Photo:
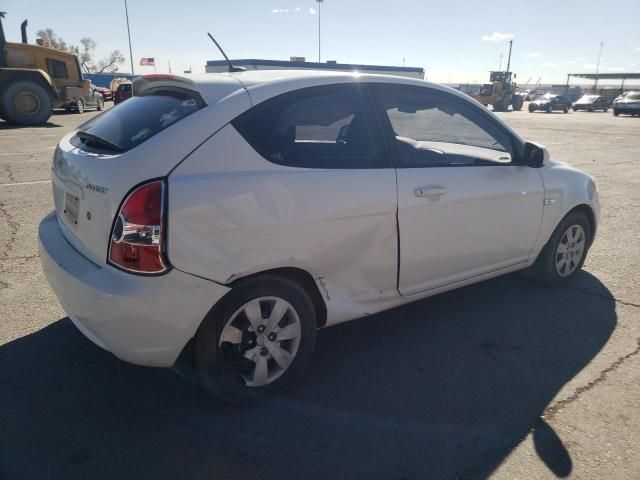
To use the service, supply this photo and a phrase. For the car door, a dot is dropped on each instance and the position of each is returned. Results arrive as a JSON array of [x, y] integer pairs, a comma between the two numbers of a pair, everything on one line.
[[465, 206], [90, 99]]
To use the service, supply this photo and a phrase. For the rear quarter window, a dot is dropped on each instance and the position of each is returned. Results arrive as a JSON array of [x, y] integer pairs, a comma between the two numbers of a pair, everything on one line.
[[135, 121], [316, 127]]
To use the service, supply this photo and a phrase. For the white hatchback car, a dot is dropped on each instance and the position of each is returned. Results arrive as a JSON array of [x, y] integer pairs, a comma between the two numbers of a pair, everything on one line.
[[223, 219]]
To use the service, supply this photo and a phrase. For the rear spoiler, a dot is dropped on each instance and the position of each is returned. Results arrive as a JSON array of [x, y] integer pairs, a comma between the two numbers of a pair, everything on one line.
[[146, 82]]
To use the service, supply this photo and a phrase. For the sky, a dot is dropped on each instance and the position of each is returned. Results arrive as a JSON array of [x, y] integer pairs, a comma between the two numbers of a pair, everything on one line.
[[454, 41]]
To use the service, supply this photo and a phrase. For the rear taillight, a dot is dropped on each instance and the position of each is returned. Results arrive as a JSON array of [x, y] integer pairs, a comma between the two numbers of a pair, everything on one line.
[[137, 235]]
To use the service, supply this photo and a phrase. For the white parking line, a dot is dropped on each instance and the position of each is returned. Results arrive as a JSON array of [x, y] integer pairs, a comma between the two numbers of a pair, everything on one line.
[[23, 136], [17, 184], [27, 153]]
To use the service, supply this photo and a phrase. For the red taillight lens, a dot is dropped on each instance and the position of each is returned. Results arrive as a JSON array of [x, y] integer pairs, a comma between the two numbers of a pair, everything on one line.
[[137, 235]]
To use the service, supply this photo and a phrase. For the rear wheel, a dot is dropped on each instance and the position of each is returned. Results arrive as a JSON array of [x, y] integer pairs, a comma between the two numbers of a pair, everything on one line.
[[565, 109], [79, 106], [531, 108], [549, 108], [575, 109], [26, 103], [100, 104], [501, 106], [565, 252], [257, 341], [615, 112]]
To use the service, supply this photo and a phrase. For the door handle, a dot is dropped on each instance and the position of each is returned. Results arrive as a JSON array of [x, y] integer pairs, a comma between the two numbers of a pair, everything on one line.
[[434, 191]]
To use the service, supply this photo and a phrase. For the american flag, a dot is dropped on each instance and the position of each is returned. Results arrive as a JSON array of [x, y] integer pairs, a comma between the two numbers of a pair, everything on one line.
[[148, 62]]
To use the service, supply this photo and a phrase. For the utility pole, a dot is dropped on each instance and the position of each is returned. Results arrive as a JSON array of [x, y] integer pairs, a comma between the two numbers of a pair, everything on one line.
[[509, 59], [319, 38], [595, 85], [126, 12]]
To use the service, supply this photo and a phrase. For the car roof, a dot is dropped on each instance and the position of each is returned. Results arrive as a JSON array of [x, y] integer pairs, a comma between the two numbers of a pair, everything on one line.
[[263, 84]]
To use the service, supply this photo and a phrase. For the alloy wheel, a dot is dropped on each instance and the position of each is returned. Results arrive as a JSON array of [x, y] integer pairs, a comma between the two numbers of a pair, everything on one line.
[[261, 339], [570, 250]]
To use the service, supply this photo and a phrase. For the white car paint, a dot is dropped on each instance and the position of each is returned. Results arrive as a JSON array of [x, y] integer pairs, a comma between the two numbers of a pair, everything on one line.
[[232, 213]]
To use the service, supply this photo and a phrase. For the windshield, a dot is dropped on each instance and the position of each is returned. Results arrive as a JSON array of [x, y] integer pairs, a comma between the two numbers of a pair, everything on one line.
[[588, 98], [633, 96], [133, 122]]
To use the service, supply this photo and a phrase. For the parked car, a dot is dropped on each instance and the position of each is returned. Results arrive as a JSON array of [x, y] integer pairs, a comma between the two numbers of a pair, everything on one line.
[[591, 103], [550, 102], [122, 93], [620, 97], [106, 93], [630, 105], [220, 221], [92, 100]]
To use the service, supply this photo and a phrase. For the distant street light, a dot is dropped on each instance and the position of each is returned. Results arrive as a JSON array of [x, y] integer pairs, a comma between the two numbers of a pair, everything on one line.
[[319, 2], [126, 12], [595, 85]]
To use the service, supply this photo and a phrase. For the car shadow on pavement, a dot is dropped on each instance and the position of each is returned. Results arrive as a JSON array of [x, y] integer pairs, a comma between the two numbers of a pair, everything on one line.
[[442, 388]]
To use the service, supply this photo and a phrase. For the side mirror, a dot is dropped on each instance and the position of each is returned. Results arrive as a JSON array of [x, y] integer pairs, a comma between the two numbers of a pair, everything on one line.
[[535, 155]]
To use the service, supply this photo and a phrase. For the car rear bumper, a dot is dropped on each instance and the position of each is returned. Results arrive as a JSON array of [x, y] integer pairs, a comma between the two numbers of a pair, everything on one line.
[[142, 320]]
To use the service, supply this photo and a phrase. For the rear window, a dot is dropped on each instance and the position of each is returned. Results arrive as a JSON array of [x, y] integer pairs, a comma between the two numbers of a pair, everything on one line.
[[135, 121]]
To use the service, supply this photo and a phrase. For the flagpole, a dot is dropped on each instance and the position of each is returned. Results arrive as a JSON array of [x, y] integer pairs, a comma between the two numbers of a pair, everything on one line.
[[126, 12]]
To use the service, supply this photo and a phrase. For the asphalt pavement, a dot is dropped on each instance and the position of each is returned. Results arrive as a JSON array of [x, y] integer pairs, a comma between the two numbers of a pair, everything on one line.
[[504, 379]]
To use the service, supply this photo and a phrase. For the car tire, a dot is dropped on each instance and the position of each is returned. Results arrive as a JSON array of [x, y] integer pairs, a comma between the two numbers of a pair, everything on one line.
[[79, 106], [100, 104], [566, 110], [606, 109], [35, 108], [615, 112], [564, 254], [532, 109], [575, 109], [227, 368], [549, 108]]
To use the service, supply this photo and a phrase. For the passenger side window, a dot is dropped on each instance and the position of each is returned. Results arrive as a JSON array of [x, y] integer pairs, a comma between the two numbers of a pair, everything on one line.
[[317, 127], [56, 68], [435, 129]]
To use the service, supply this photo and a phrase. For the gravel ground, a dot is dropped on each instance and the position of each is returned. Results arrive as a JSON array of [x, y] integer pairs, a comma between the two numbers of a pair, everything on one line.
[[504, 379]]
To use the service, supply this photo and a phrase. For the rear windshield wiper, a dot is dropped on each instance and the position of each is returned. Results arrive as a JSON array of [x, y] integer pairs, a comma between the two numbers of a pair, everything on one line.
[[94, 141]]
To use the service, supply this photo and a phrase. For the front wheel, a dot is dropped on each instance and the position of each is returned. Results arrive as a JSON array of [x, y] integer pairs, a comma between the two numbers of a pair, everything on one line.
[[549, 109], [565, 109], [25, 103], [564, 254], [531, 109], [100, 104], [79, 106], [615, 112], [257, 341]]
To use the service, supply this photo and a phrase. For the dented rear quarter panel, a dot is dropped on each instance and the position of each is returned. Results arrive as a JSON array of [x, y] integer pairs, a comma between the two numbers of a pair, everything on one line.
[[233, 213]]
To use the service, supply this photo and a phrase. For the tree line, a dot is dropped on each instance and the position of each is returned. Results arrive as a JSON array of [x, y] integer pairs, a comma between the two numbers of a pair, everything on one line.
[[85, 52]]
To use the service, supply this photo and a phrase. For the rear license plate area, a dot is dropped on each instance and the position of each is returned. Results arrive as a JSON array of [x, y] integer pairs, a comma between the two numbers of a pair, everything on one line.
[[71, 208]]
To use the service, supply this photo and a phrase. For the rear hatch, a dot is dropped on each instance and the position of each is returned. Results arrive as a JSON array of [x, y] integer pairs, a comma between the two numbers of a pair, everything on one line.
[[141, 139]]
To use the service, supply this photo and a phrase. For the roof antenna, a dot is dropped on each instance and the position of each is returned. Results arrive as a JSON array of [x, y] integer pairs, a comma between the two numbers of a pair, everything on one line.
[[232, 68]]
